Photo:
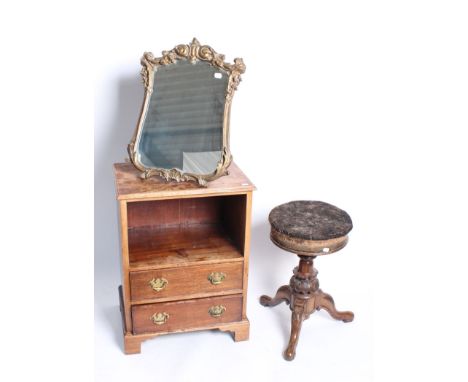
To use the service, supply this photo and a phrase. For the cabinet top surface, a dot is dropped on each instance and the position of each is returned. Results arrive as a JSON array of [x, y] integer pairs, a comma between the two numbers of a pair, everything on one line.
[[130, 186]]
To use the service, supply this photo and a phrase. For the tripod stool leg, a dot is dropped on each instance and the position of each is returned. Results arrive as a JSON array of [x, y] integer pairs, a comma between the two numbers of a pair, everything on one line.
[[283, 294], [298, 315], [325, 301]]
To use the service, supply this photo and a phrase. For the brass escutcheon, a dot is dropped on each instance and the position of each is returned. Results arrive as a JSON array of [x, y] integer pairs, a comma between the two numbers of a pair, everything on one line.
[[216, 277], [160, 318], [217, 310], [158, 284]]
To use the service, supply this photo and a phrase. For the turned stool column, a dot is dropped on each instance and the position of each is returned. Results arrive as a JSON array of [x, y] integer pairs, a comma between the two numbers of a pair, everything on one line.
[[308, 229]]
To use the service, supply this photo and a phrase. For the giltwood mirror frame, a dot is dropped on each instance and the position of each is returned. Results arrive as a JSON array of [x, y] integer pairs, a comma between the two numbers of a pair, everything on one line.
[[191, 52]]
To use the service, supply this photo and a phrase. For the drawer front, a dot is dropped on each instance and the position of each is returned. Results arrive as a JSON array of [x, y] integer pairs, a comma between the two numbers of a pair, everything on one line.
[[179, 315], [183, 281]]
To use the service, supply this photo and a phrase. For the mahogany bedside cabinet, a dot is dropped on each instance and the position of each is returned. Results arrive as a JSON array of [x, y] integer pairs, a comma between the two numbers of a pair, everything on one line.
[[185, 255], [308, 229]]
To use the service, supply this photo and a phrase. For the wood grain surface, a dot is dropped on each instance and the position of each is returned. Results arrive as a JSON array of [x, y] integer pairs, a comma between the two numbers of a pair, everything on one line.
[[186, 314], [130, 186], [184, 282]]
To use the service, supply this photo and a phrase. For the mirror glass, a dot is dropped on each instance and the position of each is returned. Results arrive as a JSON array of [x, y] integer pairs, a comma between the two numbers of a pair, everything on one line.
[[183, 126]]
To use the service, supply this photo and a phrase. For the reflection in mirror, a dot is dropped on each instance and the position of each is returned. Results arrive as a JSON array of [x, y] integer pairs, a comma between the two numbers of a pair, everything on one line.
[[183, 128]]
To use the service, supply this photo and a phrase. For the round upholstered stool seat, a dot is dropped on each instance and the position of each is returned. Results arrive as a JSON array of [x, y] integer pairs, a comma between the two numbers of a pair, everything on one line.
[[309, 228]]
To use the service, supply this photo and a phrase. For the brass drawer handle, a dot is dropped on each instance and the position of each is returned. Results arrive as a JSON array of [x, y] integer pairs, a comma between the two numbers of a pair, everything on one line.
[[217, 310], [160, 318], [158, 284], [216, 277]]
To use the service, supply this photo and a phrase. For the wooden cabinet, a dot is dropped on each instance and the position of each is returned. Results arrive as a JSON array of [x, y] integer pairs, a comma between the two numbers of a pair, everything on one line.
[[185, 255]]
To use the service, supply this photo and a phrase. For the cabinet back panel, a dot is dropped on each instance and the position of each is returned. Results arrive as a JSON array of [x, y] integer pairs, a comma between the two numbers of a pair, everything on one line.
[[174, 212]]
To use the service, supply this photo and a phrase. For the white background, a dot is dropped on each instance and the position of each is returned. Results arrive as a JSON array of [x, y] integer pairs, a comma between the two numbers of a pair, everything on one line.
[[362, 104]]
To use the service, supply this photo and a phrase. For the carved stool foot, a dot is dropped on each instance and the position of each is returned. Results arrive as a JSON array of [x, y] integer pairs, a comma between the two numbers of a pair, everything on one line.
[[325, 301], [283, 294]]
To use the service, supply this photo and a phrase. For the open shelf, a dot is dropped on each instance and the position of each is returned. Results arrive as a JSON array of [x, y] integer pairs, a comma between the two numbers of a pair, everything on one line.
[[181, 232], [176, 246]]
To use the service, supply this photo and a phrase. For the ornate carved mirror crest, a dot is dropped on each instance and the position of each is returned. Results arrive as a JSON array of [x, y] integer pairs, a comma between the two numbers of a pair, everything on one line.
[[183, 128]]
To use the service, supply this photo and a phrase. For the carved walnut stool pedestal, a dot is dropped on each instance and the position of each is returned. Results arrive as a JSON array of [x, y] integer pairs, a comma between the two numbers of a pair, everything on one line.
[[308, 229]]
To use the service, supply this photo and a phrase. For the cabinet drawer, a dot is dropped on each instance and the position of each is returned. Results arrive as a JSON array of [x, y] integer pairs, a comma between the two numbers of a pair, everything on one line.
[[178, 315], [182, 281]]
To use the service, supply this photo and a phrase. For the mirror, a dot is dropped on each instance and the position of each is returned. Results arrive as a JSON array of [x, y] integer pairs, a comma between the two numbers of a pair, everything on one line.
[[183, 129]]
